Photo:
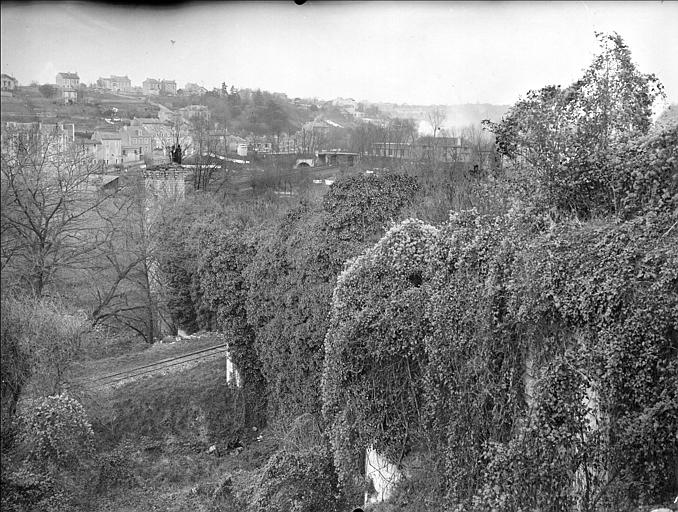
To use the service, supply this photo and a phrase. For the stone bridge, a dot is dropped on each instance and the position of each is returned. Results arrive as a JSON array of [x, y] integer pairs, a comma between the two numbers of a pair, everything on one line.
[[304, 162]]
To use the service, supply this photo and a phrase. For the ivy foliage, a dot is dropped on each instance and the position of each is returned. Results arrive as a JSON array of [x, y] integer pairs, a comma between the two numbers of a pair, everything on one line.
[[545, 367], [224, 256], [615, 288], [288, 281], [55, 431], [374, 354], [646, 171], [54, 449], [298, 481], [291, 276]]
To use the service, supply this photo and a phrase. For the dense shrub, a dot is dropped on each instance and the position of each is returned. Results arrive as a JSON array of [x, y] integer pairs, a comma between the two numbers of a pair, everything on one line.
[[646, 171], [298, 481], [560, 141], [55, 431], [291, 276], [48, 466], [548, 361], [25, 490], [225, 255], [44, 339]]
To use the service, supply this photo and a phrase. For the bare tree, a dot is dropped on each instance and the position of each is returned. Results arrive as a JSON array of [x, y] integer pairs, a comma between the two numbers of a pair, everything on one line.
[[49, 336], [436, 117], [313, 137], [205, 153], [480, 143], [123, 289], [49, 195]]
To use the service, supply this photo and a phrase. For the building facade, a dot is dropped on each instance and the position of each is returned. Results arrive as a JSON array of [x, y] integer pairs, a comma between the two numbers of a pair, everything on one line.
[[168, 87], [37, 137], [67, 80], [151, 86], [115, 83], [154, 87], [192, 88], [9, 83], [68, 84], [191, 112], [110, 150], [438, 149], [135, 144]]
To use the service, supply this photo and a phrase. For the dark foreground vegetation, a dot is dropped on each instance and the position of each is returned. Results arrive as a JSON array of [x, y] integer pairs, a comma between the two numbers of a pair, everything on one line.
[[517, 353]]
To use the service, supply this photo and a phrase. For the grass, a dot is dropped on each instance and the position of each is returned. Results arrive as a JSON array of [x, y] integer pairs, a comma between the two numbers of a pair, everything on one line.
[[124, 354], [153, 438], [193, 408]]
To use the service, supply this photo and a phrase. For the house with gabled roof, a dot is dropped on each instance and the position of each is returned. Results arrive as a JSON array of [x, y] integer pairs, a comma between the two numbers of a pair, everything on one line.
[[110, 150], [9, 83], [115, 83], [67, 80], [68, 84]]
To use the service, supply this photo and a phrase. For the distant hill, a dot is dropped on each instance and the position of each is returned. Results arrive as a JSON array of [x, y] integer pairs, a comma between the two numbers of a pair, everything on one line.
[[457, 115]]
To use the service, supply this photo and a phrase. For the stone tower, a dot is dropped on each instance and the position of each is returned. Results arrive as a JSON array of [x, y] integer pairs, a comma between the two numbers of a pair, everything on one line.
[[165, 182]]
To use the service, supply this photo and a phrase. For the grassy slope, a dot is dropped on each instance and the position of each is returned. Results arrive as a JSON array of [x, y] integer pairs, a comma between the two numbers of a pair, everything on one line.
[[153, 437], [141, 354]]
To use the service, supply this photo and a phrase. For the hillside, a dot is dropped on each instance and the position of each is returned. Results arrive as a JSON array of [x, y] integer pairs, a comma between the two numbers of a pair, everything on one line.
[[28, 104], [457, 115]]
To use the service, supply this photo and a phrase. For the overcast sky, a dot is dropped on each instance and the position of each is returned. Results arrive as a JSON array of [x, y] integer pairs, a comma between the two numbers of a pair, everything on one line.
[[405, 52]]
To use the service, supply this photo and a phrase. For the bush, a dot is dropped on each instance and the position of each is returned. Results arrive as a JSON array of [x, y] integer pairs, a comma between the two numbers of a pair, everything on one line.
[[115, 469], [46, 337], [298, 481], [55, 445], [25, 490], [55, 432], [14, 365]]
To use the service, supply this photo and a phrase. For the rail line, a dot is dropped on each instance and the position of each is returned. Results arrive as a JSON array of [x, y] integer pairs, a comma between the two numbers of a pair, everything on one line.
[[157, 366]]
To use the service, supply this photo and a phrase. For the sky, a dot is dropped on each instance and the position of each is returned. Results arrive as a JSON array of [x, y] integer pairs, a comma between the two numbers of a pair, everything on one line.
[[403, 52]]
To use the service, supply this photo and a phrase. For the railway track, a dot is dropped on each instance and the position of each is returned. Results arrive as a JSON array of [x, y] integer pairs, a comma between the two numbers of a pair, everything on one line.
[[158, 367]]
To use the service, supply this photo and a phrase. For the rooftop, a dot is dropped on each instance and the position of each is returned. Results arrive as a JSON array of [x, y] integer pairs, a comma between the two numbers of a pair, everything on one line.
[[108, 135], [68, 75], [148, 120]]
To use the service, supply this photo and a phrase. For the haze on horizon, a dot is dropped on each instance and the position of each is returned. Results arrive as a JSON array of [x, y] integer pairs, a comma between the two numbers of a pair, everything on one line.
[[416, 53]]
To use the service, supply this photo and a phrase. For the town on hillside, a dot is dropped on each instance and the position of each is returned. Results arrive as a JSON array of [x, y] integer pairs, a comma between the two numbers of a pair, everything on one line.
[[349, 257], [125, 128]]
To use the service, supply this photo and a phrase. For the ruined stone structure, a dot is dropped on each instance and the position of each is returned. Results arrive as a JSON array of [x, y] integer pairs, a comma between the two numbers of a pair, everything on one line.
[[165, 182], [383, 475]]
